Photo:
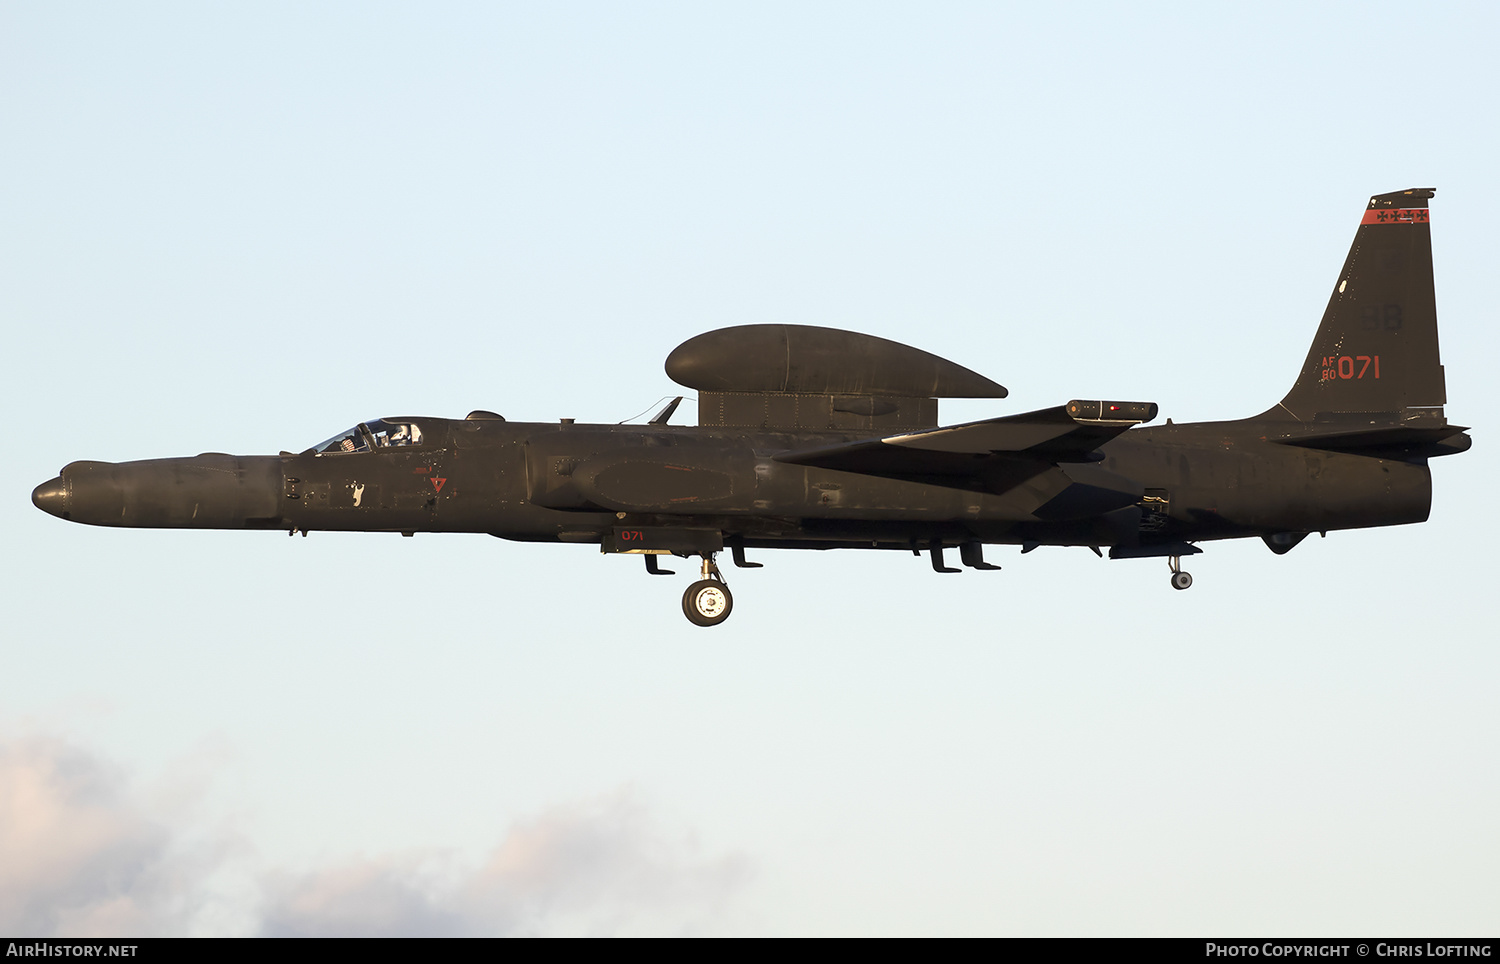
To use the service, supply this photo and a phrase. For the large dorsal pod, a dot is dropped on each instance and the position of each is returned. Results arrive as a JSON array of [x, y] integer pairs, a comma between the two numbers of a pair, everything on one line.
[[800, 376], [823, 361], [1377, 348]]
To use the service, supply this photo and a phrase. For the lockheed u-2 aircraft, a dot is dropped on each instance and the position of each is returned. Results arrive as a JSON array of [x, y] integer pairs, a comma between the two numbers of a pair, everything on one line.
[[814, 438]]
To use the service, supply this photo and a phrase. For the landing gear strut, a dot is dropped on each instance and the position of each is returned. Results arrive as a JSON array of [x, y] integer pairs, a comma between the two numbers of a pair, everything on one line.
[[707, 602], [1180, 579]]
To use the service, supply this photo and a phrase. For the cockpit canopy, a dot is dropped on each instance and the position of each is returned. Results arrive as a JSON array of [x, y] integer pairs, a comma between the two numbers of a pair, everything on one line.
[[377, 433]]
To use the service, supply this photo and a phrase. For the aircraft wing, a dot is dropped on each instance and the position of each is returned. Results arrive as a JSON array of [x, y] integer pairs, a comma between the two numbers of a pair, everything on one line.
[[1067, 433]]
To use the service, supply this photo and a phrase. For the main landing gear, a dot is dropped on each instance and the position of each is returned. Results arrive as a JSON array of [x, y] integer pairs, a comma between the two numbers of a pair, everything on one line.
[[706, 602], [1180, 579]]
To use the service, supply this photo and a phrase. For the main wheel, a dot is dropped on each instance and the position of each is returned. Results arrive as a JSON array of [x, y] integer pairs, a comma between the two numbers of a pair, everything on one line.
[[707, 603], [1181, 580]]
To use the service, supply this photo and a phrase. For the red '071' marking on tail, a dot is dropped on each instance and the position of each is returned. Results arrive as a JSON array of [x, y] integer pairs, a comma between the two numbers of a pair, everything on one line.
[[1345, 367]]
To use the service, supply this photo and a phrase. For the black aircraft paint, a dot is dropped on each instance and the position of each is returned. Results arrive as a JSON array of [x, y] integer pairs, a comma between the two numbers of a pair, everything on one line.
[[813, 438]]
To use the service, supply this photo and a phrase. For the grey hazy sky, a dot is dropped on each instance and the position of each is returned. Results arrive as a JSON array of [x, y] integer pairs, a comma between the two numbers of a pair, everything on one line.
[[243, 227]]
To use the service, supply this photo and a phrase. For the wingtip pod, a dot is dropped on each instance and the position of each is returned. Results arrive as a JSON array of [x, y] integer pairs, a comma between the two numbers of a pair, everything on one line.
[[1099, 411], [1376, 351]]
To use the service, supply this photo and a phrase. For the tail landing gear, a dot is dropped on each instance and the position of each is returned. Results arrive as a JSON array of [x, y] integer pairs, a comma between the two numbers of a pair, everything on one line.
[[1180, 579], [707, 602]]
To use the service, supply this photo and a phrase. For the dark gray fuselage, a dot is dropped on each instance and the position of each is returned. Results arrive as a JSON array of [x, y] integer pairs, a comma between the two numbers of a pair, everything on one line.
[[577, 483]]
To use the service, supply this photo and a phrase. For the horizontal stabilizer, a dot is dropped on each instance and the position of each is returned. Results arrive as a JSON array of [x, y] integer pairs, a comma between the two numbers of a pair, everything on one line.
[[1440, 439], [1067, 433]]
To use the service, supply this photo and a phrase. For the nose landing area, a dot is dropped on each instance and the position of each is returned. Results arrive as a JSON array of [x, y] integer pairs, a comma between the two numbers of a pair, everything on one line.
[[51, 497]]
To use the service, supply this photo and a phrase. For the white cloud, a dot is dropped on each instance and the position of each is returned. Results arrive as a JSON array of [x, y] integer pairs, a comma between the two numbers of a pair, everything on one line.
[[76, 857], [80, 856], [603, 867]]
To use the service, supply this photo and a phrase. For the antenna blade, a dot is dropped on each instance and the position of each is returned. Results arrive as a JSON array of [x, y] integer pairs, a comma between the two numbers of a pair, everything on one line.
[[666, 412]]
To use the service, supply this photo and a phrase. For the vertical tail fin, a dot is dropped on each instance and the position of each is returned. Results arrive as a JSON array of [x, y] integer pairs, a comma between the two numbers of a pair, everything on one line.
[[1377, 349]]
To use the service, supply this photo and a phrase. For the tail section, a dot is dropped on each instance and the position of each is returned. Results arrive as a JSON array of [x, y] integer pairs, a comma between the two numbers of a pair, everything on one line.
[[1377, 349]]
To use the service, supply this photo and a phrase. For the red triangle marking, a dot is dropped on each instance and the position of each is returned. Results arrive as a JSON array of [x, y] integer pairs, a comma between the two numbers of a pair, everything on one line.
[[437, 483]]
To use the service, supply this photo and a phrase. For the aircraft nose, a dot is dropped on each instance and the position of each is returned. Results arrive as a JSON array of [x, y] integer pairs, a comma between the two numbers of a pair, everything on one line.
[[51, 497]]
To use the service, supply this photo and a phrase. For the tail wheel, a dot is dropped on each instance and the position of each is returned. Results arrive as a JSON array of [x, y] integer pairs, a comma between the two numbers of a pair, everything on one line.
[[707, 603]]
